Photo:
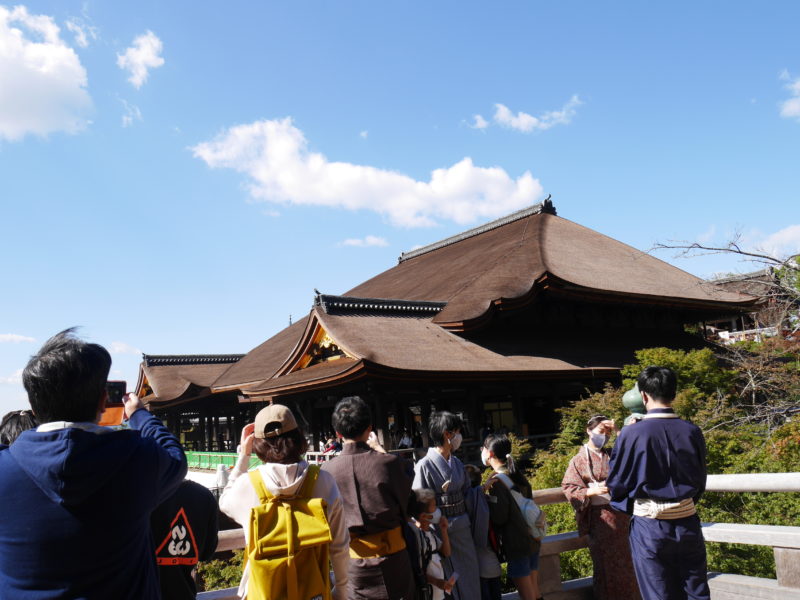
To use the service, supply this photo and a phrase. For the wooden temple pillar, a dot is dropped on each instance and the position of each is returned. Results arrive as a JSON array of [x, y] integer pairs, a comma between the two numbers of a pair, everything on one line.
[[208, 433], [399, 423], [425, 405], [381, 426]]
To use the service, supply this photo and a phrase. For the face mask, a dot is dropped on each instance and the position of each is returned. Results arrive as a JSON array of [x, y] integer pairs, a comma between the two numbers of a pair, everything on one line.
[[455, 441], [435, 516], [598, 439], [485, 458]]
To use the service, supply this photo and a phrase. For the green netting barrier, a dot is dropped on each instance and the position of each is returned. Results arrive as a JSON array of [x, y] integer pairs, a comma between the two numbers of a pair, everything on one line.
[[210, 460]]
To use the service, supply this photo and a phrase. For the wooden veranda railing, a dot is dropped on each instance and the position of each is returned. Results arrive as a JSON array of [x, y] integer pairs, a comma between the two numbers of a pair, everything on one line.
[[785, 542]]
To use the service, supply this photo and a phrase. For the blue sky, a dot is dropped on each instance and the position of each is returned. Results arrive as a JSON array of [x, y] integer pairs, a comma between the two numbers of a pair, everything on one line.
[[177, 177]]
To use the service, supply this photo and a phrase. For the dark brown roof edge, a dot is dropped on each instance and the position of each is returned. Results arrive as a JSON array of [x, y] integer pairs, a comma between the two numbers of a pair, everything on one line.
[[367, 368], [546, 206], [353, 372], [169, 360], [348, 304]]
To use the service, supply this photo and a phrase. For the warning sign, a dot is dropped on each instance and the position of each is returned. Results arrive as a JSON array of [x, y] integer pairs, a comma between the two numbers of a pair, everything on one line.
[[179, 547]]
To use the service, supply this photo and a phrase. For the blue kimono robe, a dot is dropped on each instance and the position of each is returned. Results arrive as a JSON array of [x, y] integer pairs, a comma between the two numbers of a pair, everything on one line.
[[432, 472], [662, 458]]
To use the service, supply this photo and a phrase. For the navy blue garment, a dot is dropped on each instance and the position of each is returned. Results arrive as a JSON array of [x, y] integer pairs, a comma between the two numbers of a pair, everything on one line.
[[669, 557], [662, 459], [76, 507]]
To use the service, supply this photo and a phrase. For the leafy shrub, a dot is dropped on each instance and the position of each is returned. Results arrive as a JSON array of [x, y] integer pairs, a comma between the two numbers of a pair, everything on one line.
[[220, 574]]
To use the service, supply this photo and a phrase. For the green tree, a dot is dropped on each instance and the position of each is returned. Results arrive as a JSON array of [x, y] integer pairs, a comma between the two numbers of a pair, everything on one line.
[[716, 393]]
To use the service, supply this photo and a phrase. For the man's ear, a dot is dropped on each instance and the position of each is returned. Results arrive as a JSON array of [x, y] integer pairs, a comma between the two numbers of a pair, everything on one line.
[[103, 402]]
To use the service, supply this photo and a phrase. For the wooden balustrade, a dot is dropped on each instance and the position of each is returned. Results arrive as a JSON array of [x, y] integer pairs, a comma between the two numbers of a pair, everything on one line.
[[724, 586]]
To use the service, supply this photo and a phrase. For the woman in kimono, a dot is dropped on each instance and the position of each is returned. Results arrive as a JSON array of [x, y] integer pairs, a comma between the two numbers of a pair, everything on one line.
[[607, 528], [443, 473]]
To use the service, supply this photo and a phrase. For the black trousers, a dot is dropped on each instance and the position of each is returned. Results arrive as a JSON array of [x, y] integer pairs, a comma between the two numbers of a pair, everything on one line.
[[669, 557]]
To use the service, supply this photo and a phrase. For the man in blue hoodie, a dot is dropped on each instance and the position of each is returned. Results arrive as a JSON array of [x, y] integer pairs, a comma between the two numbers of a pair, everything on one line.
[[76, 498]]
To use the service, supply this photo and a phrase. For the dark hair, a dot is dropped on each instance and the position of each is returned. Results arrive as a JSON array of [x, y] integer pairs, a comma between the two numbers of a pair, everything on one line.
[[660, 383], [285, 449], [351, 417], [595, 421], [15, 423], [67, 378], [440, 422], [500, 445]]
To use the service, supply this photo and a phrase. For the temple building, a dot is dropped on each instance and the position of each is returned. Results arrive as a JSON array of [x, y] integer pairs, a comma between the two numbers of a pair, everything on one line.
[[502, 324]]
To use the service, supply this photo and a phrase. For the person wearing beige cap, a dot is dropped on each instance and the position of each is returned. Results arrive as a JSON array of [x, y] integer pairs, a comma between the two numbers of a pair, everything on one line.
[[279, 442]]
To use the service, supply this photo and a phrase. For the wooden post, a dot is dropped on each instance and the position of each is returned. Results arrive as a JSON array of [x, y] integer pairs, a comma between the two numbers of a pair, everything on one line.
[[426, 415], [787, 567], [381, 423], [550, 574]]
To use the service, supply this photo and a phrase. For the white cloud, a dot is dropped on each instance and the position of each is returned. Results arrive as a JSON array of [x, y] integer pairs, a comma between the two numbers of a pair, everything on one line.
[[42, 80], [366, 242], [783, 243], [364, 134], [131, 114], [145, 54], [274, 155], [123, 348], [15, 338], [82, 31], [14, 379], [526, 123], [478, 122], [790, 109]]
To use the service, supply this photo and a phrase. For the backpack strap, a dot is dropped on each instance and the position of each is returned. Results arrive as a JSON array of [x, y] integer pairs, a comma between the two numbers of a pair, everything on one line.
[[506, 481], [312, 473], [264, 495]]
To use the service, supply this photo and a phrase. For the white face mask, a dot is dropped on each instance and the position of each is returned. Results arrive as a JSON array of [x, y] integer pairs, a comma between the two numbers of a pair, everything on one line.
[[485, 457], [455, 441], [435, 516]]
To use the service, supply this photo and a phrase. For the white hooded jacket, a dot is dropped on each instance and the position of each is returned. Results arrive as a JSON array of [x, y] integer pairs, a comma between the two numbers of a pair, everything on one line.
[[239, 497]]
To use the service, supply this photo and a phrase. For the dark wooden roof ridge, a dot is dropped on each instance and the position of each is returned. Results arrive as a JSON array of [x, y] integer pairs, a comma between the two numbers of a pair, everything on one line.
[[765, 272], [330, 303], [546, 206], [164, 360]]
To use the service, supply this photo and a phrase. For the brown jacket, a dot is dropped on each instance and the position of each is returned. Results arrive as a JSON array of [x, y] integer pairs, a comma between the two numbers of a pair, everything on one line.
[[375, 490]]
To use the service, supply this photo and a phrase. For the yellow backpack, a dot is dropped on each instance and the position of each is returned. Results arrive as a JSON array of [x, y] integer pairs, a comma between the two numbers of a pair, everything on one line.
[[288, 545]]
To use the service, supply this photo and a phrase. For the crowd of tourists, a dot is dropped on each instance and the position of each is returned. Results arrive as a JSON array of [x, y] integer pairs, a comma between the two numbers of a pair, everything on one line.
[[93, 513]]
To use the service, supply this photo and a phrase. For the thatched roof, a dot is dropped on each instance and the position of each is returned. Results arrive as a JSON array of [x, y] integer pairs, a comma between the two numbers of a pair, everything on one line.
[[504, 262], [430, 316]]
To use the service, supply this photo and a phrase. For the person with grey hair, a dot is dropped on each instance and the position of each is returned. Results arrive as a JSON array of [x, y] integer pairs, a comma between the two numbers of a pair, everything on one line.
[[431, 547]]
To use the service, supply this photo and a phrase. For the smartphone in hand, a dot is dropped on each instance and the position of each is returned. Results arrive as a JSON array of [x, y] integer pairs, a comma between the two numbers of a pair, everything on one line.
[[115, 407]]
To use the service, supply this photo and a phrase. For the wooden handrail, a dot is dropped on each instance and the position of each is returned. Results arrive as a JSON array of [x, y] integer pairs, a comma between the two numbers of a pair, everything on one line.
[[784, 540], [744, 482]]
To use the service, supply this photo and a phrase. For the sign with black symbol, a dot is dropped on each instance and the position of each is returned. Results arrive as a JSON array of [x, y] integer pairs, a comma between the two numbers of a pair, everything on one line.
[[179, 547]]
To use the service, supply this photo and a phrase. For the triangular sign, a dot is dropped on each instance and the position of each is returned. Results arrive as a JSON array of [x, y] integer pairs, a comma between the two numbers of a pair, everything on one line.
[[179, 547]]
